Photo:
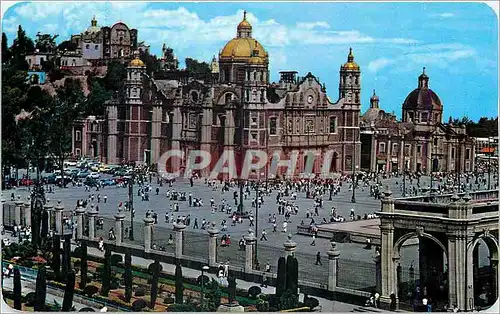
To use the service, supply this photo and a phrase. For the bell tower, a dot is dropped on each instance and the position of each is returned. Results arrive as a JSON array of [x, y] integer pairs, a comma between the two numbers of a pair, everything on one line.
[[350, 81]]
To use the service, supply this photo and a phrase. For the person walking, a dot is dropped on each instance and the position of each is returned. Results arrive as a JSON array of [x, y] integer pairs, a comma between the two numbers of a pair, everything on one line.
[[251, 220], [313, 243], [195, 225], [263, 237], [318, 259]]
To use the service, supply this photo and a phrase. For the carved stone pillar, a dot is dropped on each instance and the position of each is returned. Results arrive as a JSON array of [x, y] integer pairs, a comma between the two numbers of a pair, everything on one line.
[[27, 212], [80, 210], [92, 214], [250, 240], [290, 246], [212, 245], [58, 210], [17, 212], [388, 268], [119, 217], [148, 232], [179, 230], [387, 201], [333, 259]]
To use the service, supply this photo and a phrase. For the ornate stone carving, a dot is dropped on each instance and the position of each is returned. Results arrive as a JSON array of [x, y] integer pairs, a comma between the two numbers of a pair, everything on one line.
[[486, 232], [420, 231]]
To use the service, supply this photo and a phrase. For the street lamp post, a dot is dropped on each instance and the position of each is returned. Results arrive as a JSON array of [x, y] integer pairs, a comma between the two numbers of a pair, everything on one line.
[[256, 218], [203, 269], [489, 161], [353, 198], [131, 205]]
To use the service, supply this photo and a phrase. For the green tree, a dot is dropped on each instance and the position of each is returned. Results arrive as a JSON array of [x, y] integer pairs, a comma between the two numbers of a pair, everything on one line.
[[67, 45], [40, 290], [128, 275], [56, 256], [288, 300], [5, 50], [156, 269], [106, 272], [281, 280], [68, 105], [22, 46], [179, 285], [151, 61], [116, 74], [213, 295], [69, 292], [45, 42], [97, 98], [83, 265], [17, 289], [194, 66]]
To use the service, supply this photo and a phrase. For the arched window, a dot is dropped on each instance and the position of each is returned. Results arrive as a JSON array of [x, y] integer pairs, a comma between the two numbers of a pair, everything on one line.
[[120, 52], [73, 63], [227, 98]]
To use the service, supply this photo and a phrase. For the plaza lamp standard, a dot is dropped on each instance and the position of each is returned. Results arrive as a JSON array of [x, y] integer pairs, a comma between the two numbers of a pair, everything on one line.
[[202, 294], [353, 159], [489, 161]]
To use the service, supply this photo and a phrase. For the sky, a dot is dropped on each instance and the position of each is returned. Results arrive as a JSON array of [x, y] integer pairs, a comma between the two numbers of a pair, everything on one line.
[[392, 42]]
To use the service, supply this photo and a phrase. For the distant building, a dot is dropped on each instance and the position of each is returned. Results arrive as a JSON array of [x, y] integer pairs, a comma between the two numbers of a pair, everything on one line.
[[418, 143], [105, 43], [36, 59], [487, 146]]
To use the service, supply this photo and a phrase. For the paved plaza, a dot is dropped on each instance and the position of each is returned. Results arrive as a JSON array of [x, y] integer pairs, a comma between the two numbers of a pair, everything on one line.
[[356, 265]]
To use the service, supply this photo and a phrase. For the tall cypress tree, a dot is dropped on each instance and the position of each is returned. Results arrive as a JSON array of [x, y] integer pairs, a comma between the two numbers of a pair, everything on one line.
[[281, 280], [69, 292], [128, 275], [45, 225], [83, 264], [56, 255], [179, 286], [40, 290], [17, 289], [5, 50], [106, 272], [154, 283], [66, 254]]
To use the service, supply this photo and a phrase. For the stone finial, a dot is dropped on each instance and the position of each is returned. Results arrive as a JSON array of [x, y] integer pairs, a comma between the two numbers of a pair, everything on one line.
[[289, 236], [454, 197], [250, 232], [213, 224], [387, 192], [333, 244], [47, 200], [467, 197], [18, 197]]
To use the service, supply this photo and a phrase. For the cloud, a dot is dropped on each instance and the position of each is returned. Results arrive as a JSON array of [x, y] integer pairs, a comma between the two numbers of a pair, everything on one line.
[[379, 64], [444, 15], [312, 25]]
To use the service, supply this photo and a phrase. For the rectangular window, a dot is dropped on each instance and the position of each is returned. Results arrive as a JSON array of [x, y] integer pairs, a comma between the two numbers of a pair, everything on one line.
[[453, 152], [410, 116], [297, 126], [467, 153], [78, 136], [272, 126], [78, 152], [407, 149], [290, 126], [333, 124], [419, 150], [309, 127], [381, 148], [424, 116], [395, 148]]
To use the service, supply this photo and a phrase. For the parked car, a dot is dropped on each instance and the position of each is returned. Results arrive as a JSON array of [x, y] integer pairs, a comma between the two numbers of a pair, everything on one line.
[[94, 175], [89, 181], [51, 178], [83, 174], [26, 182], [108, 182]]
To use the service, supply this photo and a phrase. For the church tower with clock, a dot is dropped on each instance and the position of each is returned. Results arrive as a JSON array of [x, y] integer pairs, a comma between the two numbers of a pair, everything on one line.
[[350, 81]]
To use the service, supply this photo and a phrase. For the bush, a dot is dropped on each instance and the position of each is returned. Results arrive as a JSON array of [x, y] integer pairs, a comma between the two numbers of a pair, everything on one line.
[[90, 290], [30, 298], [116, 259], [254, 291], [168, 300], [244, 302], [77, 252], [311, 303], [114, 285], [140, 292], [262, 306], [182, 308], [138, 305], [151, 269]]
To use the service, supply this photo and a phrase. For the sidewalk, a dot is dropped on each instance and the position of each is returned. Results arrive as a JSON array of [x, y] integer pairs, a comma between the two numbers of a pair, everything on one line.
[[326, 305]]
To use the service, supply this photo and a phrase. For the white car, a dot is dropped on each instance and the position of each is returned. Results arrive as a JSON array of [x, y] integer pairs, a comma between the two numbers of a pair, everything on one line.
[[94, 175]]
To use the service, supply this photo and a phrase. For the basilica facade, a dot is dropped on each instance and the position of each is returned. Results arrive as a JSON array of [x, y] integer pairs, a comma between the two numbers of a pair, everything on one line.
[[419, 142], [235, 107]]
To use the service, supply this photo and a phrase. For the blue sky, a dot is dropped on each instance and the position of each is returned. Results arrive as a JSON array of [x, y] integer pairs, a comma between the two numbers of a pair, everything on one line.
[[456, 42]]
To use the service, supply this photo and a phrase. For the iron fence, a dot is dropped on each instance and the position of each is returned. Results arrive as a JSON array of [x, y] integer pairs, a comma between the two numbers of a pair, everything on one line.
[[357, 275], [195, 244], [9, 215]]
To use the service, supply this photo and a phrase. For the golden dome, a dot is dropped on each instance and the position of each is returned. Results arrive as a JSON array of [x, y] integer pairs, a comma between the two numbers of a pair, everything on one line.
[[136, 62], [241, 49], [244, 24], [350, 64], [256, 60]]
